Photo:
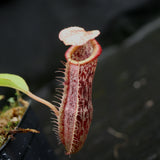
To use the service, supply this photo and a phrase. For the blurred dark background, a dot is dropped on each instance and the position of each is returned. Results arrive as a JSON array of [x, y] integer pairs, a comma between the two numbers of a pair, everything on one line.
[[126, 86]]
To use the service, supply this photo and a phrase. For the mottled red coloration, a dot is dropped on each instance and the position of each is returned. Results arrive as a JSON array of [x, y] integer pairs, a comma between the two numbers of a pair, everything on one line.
[[75, 113]]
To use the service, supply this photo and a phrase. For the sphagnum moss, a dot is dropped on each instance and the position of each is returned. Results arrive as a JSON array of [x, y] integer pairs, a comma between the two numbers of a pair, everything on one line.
[[10, 118]]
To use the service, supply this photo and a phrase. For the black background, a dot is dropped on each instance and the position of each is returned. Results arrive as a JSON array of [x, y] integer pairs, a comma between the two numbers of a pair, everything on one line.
[[130, 32]]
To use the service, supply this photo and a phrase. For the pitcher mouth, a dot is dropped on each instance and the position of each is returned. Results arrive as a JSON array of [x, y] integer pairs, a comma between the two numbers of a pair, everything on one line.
[[86, 53]]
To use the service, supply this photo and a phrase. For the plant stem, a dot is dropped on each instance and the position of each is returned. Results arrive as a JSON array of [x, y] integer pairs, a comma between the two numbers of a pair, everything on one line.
[[51, 106]]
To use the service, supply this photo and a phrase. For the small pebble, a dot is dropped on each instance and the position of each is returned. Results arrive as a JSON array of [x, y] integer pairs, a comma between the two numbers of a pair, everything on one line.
[[136, 84], [140, 83], [149, 103], [14, 119]]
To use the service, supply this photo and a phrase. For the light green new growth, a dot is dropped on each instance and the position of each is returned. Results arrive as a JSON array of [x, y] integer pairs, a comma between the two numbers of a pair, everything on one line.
[[18, 83], [13, 81]]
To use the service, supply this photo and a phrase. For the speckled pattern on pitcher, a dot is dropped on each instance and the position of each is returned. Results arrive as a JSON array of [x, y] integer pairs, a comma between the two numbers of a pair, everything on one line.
[[75, 112]]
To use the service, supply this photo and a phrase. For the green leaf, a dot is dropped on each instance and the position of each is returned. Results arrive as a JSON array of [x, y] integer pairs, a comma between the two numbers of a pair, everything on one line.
[[13, 81]]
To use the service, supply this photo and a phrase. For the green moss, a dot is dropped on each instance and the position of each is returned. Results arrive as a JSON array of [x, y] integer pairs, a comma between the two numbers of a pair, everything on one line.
[[10, 117], [2, 140]]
